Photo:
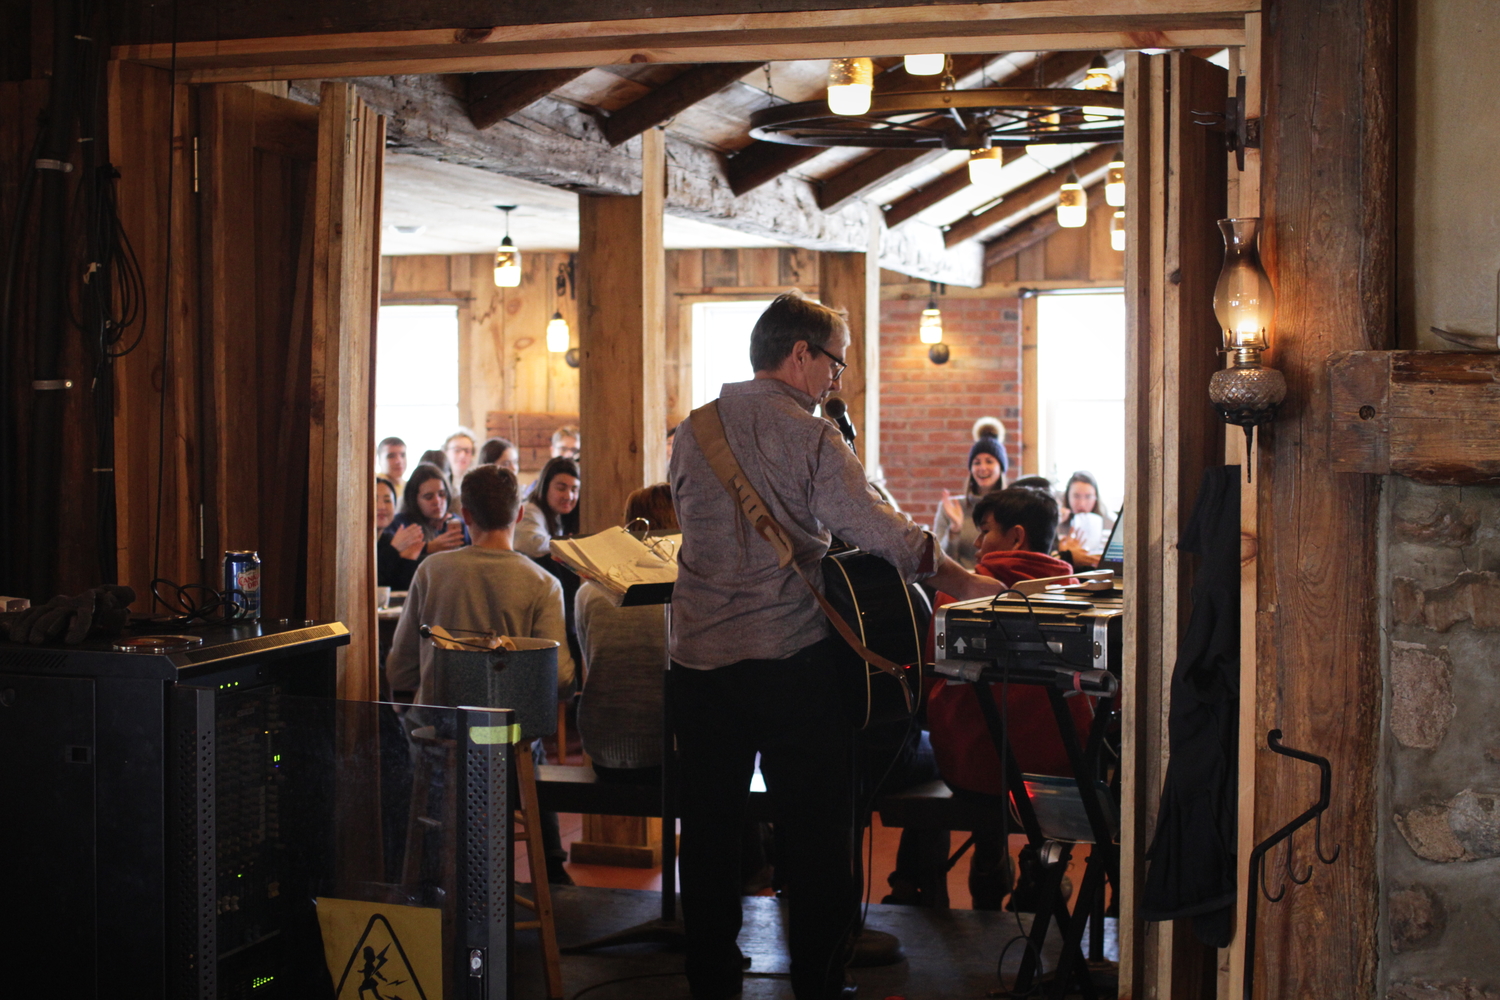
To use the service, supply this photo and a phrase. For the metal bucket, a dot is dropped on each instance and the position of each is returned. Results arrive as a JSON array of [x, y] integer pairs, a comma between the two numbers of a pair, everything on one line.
[[523, 680]]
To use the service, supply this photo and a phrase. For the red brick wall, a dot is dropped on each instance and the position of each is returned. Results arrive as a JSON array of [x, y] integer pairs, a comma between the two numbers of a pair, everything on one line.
[[927, 411]]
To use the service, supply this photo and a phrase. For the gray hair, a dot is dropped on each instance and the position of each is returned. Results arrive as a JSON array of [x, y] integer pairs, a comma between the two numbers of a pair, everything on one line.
[[790, 318]]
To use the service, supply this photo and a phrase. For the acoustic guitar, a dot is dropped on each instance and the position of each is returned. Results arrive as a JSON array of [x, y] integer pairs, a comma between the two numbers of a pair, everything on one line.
[[890, 616]]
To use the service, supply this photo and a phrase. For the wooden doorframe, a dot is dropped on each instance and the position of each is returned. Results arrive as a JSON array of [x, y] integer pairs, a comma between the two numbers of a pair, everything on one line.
[[1322, 62]]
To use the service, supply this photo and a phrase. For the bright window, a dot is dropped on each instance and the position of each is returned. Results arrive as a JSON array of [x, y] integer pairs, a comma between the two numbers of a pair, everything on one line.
[[1081, 389], [721, 345], [416, 376]]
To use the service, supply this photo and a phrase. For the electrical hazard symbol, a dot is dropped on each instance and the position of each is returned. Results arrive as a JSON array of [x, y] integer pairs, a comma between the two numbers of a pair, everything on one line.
[[379, 951]]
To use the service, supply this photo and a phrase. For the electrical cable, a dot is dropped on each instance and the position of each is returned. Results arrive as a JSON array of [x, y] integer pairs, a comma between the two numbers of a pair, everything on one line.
[[188, 609]]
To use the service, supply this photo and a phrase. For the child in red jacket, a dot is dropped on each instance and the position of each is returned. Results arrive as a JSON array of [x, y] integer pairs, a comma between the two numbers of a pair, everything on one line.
[[1017, 527]]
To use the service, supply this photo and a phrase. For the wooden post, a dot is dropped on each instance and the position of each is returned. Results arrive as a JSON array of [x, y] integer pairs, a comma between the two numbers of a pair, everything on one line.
[[346, 291], [1327, 193], [851, 281], [622, 340]]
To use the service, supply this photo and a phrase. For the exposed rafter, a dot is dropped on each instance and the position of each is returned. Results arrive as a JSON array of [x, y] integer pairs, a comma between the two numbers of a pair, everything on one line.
[[1089, 167], [1034, 229], [1060, 69], [557, 144], [672, 99], [493, 97]]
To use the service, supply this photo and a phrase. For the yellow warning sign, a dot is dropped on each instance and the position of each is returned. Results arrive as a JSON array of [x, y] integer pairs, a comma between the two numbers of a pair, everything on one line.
[[380, 951]]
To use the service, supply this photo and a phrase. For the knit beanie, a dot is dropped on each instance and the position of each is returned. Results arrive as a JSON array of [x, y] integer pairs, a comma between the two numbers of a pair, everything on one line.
[[987, 445]]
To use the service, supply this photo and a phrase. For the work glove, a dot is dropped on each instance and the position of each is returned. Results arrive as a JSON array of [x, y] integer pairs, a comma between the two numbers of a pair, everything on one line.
[[103, 609]]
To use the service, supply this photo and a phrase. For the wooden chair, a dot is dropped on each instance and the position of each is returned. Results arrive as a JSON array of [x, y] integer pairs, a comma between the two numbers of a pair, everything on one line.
[[527, 823]]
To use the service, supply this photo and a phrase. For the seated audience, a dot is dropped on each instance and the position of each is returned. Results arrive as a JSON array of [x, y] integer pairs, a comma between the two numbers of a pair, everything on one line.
[[433, 456], [565, 442], [624, 655], [390, 461], [484, 586], [954, 528], [1017, 526], [459, 447], [551, 510], [402, 539], [500, 452], [1084, 522], [424, 504]]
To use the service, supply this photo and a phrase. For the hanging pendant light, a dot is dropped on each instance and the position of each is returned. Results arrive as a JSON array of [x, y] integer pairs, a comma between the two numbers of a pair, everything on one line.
[[559, 337], [1072, 203], [850, 82], [558, 334], [1098, 76], [1114, 181], [927, 64], [985, 165], [507, 257], [1117, 231], [930, 327]]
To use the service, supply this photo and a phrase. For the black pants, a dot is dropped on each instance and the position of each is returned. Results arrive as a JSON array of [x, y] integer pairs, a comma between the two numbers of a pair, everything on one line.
[[788, 711]]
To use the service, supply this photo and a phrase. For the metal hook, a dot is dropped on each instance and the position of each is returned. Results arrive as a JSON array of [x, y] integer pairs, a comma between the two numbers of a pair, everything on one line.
[[1318, 842], [1290, 858], [1266, 892]]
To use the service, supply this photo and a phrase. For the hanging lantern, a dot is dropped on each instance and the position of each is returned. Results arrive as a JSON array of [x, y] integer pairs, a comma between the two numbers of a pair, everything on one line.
[[984, 166], [850, 82], [1114, 182], [1117, 231], [558, 334], [930, 327], [1072, 204], [928, 64], [1247, 393], [507, 257], [1098, 76]]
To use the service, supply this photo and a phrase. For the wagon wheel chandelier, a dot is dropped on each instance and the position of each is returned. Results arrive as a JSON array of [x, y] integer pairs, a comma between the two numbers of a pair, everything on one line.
[[952, 119]]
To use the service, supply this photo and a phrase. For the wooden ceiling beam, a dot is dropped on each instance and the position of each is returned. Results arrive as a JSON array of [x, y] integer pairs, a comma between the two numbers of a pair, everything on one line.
[[671, 99], [1058, 69], [1042, 188], [1031, 231], [493, 97]]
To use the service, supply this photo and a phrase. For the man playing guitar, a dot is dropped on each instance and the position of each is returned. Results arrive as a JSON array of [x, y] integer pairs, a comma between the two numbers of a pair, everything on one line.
[[754, 660]]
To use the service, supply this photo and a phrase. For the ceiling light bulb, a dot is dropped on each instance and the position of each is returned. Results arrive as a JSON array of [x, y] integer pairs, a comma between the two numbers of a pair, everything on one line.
[[850, 82], [1099, 76], [1072, 204], [1117, 231], [1049, 124], [928, 64], [558, 334], [985, 166], [930, 327], [507, 265], [1114, 183]]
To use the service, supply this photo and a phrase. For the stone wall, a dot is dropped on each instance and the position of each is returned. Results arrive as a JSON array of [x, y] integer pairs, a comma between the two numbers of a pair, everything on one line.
[[1441, 832]]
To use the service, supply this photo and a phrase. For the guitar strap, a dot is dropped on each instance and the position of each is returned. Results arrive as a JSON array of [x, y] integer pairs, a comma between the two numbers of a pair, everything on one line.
[[708, 430]]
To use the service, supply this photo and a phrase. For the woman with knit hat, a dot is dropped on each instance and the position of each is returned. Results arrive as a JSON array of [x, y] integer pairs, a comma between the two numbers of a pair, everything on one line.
[[954, 527]]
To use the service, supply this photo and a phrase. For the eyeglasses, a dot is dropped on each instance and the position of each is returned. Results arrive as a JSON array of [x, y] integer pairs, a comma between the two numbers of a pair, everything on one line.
[[838, 363]]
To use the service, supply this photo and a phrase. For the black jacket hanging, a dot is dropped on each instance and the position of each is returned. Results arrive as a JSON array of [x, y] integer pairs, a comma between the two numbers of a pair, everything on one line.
[[1192, 857]]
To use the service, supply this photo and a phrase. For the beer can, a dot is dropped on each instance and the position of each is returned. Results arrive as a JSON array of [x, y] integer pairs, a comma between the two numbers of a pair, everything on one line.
[[242, 585]]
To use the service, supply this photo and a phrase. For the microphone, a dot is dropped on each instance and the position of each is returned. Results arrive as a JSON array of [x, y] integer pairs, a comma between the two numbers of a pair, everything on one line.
[[836, 408]]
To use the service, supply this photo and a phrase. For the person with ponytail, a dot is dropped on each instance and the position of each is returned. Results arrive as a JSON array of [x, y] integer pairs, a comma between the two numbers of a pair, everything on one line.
[[953, 527]]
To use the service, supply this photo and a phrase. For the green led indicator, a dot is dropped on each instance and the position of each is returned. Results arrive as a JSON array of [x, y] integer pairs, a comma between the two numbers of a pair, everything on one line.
[[260, 981], [277, 757]]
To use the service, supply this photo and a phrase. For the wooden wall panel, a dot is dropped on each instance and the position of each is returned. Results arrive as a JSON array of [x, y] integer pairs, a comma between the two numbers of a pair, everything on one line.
[[851, 281], [341, 560], [156, 402], [257, 155]]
